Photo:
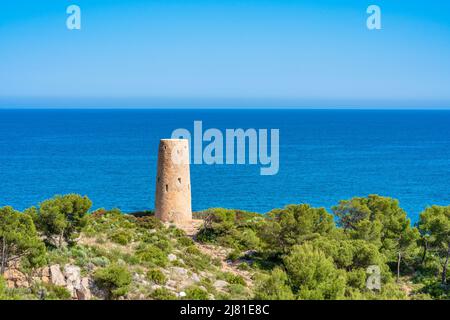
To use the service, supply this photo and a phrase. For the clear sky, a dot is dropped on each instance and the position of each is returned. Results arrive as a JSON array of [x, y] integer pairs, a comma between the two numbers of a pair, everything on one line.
[[156, 53]]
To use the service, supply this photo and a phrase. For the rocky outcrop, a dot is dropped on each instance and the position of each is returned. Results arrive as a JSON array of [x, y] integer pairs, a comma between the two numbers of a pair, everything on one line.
[[79, 287], [56, 276], [72, 276], [16, 279], [220, 284]]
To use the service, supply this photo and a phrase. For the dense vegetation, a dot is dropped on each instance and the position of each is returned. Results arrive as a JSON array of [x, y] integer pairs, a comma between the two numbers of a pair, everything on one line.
[[297, 252], [307, 253]]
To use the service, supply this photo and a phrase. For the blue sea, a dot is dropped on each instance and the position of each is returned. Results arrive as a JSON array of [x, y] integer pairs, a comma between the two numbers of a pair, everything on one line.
[[325, 156]]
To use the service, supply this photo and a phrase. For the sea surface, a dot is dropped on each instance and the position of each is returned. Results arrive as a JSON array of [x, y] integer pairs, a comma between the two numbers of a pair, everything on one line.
[[325, 156]]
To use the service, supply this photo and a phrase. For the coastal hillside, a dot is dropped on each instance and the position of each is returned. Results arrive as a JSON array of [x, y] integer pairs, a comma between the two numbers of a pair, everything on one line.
[[365, 249]]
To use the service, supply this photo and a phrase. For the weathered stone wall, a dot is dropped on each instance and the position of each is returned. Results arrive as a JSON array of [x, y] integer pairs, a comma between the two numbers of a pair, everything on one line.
[[173, 182]]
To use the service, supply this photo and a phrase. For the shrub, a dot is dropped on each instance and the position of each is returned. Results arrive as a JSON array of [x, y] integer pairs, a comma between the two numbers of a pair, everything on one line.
[[156, 276], [152, 255], [234, 278], [100, 261], [3, 292], [274, 287], [313, 274], [149, 223], [198, 261], [228, 228], [234, 255], [122, 237], [163, 294], [51, 292], [237, 291], [244, 266], [196, 293], [193, 250], [164, 245], [114, 279], [20, 240], [185, 241], [62, 217]]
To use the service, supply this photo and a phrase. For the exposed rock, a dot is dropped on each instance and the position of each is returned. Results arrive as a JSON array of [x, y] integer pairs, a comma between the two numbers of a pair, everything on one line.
[[73, 279], [84, 293], [195, 277], [170, 288], [172, 257], [45, 275], [171, 283], [16, 279], [57, 278], [137, 277], [220, 284], [156, 286], [179, 271]]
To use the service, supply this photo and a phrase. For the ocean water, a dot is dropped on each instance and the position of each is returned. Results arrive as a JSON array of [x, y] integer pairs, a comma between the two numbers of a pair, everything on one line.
[[325, 156]]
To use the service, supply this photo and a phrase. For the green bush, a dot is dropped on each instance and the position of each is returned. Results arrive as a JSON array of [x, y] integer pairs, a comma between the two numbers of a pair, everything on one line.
[[193, 250], [3, 292], [62, 218], [234, 255], [122, 237], [148, 223], [185, 241], [313, 274], [234, 278], [197, 260], [153, 255], [237, 291], [163, 294], [230, 228], [196, 293], [274, 286], [100, 261], [164, 244], [51, 292], [114, 279], [156, 276], [20, 240]]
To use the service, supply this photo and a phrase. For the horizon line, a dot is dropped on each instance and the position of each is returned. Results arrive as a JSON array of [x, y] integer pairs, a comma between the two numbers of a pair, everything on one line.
[[232, 108]]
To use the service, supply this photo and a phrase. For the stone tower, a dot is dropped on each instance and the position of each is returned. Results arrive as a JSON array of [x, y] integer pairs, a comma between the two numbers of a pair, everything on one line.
[[173, 182]]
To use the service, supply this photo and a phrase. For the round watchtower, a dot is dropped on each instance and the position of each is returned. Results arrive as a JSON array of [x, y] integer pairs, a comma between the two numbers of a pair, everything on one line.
[[173, 182]]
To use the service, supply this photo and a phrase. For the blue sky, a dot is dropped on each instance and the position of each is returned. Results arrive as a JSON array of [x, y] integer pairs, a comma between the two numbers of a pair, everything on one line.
[[189, 53]]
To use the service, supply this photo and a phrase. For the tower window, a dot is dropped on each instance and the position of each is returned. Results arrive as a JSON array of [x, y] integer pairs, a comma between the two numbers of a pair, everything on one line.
[[167, 187]]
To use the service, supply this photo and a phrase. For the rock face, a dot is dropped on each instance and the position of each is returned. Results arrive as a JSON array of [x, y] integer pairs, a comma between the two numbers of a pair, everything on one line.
[[45, 275], [56, 276], [84, 293], [173, 182], [220, 284], [73, 279], [80, 288], [15, 279]]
